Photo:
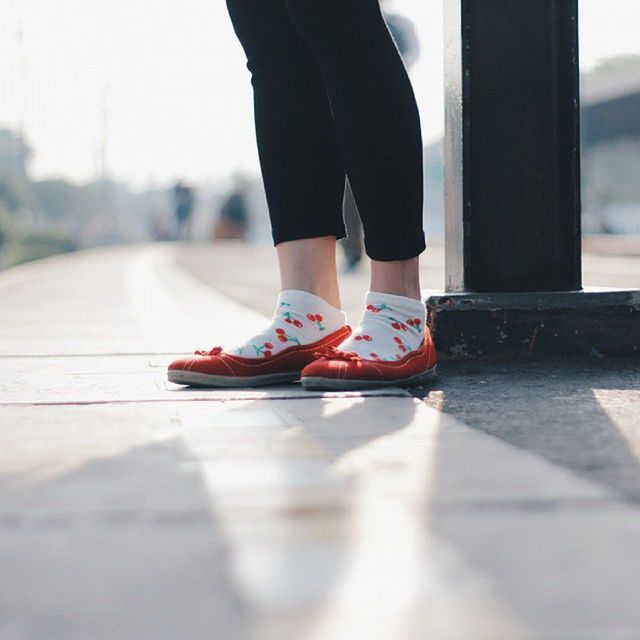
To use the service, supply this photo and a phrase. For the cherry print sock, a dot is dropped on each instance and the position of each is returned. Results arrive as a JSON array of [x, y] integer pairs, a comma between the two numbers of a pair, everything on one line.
[[391, 326], [300, 317]]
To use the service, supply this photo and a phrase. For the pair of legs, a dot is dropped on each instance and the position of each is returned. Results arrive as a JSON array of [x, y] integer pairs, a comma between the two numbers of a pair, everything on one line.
[[332, 98], [310, 265]]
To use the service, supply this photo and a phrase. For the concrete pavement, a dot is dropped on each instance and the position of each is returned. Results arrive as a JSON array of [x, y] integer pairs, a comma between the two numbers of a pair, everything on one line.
[[499, 503]]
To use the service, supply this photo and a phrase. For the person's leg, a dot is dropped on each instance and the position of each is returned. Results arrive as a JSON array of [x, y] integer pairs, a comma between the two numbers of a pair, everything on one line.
[[302, 172], [310, 265], [401, 277], [375, 117], [377, 124]]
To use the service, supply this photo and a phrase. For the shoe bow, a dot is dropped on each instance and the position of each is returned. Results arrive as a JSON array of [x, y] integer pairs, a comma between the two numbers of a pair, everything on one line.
[[333, 353], [212, 352]]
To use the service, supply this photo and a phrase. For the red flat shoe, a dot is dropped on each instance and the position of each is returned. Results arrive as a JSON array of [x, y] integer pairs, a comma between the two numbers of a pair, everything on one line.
[[216, 368], [336, 369]]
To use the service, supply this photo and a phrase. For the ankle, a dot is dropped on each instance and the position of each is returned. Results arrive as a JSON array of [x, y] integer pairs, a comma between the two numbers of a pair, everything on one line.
[[412, 292], [396, 277], [309, 264], [329, 294]]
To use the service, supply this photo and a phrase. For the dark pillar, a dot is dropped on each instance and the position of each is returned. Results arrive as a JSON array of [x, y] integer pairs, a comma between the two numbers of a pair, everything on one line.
[[512, 186]]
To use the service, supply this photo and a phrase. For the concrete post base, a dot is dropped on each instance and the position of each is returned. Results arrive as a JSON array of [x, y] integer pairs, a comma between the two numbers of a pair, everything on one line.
[[597, 322]]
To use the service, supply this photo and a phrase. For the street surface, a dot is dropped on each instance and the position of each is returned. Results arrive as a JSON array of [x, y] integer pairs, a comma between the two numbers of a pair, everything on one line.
[[501, 502]]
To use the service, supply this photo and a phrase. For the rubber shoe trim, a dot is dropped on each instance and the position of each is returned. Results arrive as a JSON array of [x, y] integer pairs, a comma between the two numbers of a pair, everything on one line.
[[216, 368]]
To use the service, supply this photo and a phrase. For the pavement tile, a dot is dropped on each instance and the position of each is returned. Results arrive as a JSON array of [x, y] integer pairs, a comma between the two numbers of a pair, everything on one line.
[[133, 508], [126, 378], [568, 573]]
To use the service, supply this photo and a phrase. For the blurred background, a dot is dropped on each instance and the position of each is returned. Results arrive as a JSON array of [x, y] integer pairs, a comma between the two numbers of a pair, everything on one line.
[[130, 121]]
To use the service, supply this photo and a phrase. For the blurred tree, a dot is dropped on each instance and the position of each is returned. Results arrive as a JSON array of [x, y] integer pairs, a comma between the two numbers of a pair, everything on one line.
[[56, 199], [14, 181], [60, 200], [14, 192]]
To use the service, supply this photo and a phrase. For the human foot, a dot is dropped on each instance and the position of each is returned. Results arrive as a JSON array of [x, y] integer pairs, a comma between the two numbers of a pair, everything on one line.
[[303, 323], [391, 326], [390, 347], [299, 318]]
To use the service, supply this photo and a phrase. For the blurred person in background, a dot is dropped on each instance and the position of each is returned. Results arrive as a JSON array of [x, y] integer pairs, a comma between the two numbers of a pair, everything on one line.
[[404, 35], [183, 206], [332, 97], [233, 219], [160, 226]]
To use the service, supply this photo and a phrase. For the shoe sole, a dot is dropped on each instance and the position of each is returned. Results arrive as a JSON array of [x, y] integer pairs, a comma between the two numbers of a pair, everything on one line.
[[196, 379], [331, 384]]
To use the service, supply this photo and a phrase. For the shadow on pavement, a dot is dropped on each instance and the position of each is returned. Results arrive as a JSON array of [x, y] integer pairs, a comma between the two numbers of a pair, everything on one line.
[[122, 547], [580, 413]]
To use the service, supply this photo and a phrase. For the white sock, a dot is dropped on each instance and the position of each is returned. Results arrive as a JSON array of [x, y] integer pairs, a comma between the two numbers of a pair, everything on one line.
[[390, 327], [300, 317]]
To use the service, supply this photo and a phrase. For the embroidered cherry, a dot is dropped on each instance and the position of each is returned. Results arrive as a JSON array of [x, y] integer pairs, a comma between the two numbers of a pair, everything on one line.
[[283, 337], [264, 350], [396, 324], [317, 318], [375, 356], [415, 323], [288, 318], [401, 345], [378, 307]]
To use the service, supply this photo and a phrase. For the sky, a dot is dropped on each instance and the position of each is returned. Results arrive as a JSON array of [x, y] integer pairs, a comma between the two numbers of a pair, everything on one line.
[[165, 85]]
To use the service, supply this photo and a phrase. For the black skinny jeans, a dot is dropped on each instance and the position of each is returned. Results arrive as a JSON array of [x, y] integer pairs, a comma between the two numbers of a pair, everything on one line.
[[332, 95]]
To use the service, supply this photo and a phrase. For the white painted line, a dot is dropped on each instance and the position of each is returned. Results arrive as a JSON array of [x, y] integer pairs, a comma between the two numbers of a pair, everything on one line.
[[197, 317]]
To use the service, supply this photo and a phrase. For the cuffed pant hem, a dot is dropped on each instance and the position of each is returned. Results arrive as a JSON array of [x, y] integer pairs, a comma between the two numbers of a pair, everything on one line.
[[390, 249], [338, 232]]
